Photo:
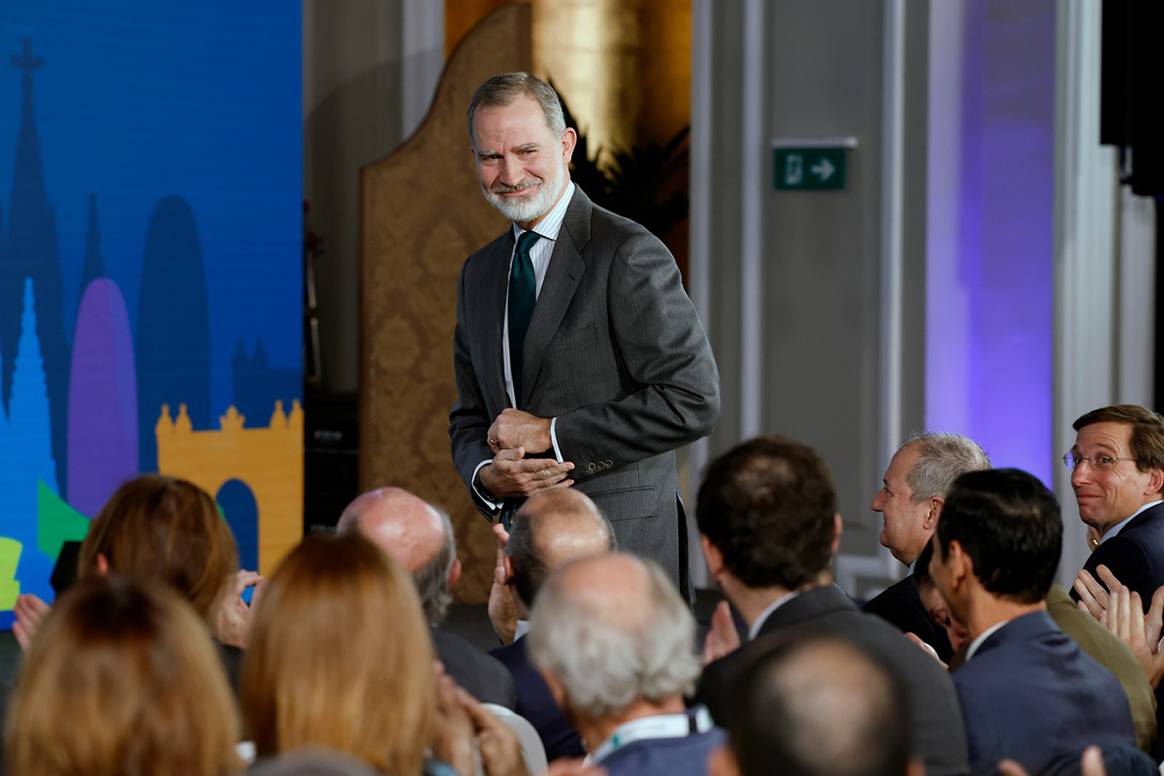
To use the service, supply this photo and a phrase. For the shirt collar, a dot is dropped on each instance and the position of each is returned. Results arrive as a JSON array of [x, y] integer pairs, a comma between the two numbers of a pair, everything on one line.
[[697, 720], [1115, 529], [983, 636], [754, 631], [549, 226]]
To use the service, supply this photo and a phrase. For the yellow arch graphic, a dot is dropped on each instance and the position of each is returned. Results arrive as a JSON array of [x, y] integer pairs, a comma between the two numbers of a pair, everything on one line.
[[269, 460]]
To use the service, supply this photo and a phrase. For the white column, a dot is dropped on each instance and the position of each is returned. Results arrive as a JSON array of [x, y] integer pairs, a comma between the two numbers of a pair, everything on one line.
[[1085, 268], [752, 170], [422, 59]]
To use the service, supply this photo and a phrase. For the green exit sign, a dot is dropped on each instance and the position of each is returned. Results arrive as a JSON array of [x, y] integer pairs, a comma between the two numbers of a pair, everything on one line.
[[811, 165]]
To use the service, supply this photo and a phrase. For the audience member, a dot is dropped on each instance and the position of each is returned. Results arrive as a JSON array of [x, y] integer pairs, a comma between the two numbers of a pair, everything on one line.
[[1103, 647], [615, 642], [1117, 473], [552, 527], [420, 537], [339, 658], [1028, 692], [936, 608], [910, 500], [122, 678], [164, 530], [769, 525], [818, 706]]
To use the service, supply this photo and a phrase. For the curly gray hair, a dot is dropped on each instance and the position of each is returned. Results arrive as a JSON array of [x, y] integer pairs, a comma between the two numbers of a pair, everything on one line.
[[942, 457]]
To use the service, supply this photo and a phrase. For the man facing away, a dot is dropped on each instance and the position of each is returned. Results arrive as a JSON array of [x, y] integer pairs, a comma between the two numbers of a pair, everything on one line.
[[615, 642], [767, 514], [1027, 691], [910, 501], [818, 706], [579, 359], [420, 537], [552, 527]]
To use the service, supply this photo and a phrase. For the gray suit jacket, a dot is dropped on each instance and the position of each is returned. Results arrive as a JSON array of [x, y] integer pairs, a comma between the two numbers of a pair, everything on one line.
[[614, 351]]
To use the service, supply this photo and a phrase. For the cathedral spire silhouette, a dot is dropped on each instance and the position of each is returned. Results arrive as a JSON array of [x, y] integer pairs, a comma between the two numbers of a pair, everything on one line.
[[32, 254]]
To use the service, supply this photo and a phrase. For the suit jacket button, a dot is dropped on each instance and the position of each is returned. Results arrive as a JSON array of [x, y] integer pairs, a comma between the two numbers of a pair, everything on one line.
[[591, 467], [609, 463]]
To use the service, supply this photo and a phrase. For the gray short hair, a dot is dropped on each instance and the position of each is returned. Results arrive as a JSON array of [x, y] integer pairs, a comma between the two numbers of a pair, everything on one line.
[[942, 457], [432, 579], [606, 664], [501, 90]]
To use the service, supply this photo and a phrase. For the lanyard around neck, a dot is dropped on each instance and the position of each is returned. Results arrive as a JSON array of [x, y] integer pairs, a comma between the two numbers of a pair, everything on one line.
[[660, 726]]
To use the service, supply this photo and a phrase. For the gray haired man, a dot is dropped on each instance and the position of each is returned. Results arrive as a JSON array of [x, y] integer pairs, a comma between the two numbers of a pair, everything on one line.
[[910, 500], [420, 537], [615, 643]]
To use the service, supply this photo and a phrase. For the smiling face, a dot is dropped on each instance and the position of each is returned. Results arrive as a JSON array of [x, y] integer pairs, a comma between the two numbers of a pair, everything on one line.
[[905, 532], [1108, 495], [522, 164]]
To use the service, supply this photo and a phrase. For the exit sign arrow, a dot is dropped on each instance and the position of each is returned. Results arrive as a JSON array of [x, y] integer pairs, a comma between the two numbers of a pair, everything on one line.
[[810, 164]]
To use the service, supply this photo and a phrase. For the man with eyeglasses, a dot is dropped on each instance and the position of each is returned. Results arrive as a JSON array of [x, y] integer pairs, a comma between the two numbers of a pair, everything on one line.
[[1117, 473]]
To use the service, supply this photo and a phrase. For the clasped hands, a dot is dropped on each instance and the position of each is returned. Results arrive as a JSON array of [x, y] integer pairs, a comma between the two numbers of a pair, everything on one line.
[[513, 435]]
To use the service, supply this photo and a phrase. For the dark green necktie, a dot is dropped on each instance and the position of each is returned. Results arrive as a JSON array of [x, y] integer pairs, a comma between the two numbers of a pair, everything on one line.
[[522, 295]]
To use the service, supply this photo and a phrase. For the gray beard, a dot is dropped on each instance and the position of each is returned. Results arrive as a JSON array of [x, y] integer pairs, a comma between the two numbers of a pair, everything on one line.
[[524, 211]]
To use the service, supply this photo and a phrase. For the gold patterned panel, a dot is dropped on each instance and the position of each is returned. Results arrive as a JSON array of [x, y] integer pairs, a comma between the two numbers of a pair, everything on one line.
[[422, 214]]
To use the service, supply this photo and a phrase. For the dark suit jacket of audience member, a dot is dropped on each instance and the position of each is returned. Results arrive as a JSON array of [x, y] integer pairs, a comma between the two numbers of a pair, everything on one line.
[[1135, 555], [936, 723], [1106, 649], [483, 676], [664, 756], [535, 703], [1031, 694], [902, 607]]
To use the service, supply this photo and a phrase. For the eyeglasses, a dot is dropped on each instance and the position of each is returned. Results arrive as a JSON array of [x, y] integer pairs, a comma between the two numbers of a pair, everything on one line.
[[1099, 462]]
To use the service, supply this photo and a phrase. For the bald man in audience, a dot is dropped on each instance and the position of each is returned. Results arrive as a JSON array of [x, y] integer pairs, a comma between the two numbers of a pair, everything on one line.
[[551, 528], [615, 642], [420, 537], [819, 706]]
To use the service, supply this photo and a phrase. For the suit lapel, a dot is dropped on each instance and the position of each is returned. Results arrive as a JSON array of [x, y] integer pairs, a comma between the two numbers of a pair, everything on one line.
[[562, 278], [494, 318]]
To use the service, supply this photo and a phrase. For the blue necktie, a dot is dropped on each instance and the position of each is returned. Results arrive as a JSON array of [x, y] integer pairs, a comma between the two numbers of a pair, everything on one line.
[[522, 296]]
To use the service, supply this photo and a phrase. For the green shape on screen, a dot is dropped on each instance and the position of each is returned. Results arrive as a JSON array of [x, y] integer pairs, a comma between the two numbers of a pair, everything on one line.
[[10, 550], [56, 522]]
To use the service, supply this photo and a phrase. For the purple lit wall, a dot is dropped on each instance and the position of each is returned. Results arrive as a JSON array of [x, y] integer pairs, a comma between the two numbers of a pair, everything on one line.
[[989, 281]]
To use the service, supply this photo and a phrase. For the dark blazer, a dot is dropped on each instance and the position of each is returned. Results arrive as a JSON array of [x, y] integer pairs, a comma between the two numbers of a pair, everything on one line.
[[483, 676], [664, 756], [1031, 694], [535, 703], [1135, 555], [902, 607], [1105, 648], [936, 723], [614, 351]]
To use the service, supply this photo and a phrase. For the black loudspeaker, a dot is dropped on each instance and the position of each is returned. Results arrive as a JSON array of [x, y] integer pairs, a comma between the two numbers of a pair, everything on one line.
[[1132, 69], [65, 570], [332, 463]]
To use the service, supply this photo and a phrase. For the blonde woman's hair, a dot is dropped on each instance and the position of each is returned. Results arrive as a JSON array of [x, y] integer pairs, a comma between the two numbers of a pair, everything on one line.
[[340, 658], [163, 529], [121, 679]]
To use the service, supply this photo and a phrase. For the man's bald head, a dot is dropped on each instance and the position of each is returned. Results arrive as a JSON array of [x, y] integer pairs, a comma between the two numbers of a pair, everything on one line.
[[552, 527], [820, 705], [415, 534], [611, 629]]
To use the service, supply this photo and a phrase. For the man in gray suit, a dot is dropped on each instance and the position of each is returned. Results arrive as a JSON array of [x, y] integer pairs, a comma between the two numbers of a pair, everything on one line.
[[579, 358]]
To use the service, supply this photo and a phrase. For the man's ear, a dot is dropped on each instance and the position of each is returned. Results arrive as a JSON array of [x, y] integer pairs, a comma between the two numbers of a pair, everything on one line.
[[838, 529], [960, 564], [930, 521], [1155, 481], [454, 573], [712, 555], [569, 140], [508, 563], [102, 565]]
